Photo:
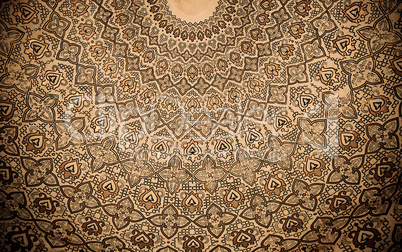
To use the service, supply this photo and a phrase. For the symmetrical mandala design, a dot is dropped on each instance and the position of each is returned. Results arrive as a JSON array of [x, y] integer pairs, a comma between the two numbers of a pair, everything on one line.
[[230, 125]]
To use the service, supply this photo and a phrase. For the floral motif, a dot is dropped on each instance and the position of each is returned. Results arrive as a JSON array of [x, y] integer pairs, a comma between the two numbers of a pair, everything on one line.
[[123, 213], [326, 230], [85, 75], [382, 136], [260, 210], [45, 204], [312, 132], [169, 221], [8, 136], [277, 243], [13, 205], [361, 72], [137, 168], [102, 154], [375, 201], [380, 34], [339, 106], [346, 170], [297, 74], [40, 108], [174, 174], [277, 94], [57, 25], [80, 197], [39, 171], [19, 76], [59, 233], [69, 52], [69, 133], [93, 227], [108, 244], [280, 153], [209, 174], [246, 167], [8, 38], [215, 220], [366, 236], [304, 194], [18, 234], [216, 125]]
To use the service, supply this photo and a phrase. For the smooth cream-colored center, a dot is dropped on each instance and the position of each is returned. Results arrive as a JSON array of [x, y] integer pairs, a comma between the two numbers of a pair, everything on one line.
[[192, 10]]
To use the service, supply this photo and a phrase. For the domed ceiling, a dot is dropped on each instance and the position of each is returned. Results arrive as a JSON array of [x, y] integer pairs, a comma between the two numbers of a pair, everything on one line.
[[175, 125]]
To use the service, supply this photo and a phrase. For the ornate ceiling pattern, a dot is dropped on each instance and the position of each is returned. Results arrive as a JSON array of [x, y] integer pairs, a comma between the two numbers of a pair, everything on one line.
[[164, 125]]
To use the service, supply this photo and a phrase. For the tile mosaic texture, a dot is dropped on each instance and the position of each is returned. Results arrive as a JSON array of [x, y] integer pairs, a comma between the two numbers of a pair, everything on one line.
[[171, 125]]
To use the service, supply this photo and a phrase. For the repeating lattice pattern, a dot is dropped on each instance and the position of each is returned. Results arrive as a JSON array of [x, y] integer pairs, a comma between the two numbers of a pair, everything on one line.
[[270, 125]]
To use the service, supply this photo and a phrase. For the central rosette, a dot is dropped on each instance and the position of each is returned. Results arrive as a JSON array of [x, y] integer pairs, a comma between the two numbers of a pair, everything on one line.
[[193, 11]]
